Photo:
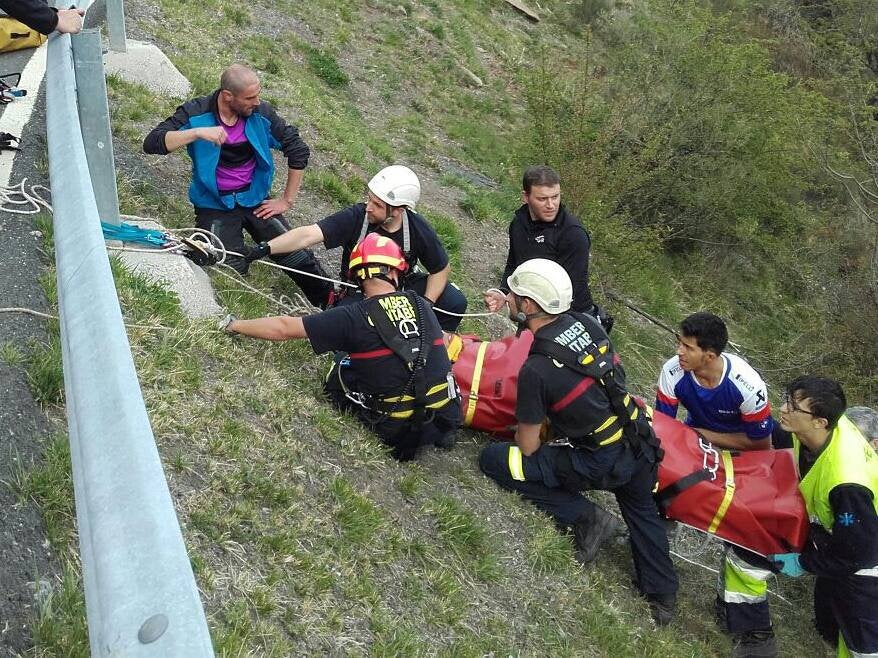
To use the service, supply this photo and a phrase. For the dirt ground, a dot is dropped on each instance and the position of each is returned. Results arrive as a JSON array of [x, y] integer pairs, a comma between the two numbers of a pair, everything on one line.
[[27, 562]]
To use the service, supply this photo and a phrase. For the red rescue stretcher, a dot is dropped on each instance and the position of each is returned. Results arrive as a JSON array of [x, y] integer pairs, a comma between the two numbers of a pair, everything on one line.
[[750, 499]]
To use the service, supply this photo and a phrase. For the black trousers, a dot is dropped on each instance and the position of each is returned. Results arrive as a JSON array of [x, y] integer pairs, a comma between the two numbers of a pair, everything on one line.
[[401, 435], [848, 605], [552, 480], [228, 226]]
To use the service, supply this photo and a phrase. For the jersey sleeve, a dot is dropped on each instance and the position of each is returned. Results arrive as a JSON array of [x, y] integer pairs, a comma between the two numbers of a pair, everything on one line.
[[530, 407], [343, 227], [665, 394], [756, 413], [331, 330], [853, 543]]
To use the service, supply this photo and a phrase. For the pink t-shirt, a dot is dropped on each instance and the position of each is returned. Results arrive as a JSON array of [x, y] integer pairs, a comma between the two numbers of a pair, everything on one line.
[[237, 159]]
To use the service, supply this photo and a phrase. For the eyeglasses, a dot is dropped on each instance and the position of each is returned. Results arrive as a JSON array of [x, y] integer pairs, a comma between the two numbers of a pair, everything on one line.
[[790, 404]]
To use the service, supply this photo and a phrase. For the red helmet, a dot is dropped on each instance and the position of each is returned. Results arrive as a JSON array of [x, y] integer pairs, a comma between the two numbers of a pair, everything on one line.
[[376, 255]]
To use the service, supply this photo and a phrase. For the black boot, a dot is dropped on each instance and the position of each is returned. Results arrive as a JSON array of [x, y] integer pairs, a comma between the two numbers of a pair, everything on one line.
[[755, 644], [662, 608], [589, 534]]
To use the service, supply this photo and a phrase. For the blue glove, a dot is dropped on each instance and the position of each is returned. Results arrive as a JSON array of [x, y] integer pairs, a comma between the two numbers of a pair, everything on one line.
[[788, 563]]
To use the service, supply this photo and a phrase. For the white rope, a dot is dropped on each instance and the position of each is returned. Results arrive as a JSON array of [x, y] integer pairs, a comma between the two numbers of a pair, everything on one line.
[[216, 245], [28, 311], [146, 250], [237, 279], [295, 271], [17, 195], [716, 571], [211, 240], [49, 316]]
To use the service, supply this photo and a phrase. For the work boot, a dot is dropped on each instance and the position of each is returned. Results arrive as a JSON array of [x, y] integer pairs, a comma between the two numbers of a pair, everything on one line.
[[589, 536], [662, 607], [446, 441], [755, 644]]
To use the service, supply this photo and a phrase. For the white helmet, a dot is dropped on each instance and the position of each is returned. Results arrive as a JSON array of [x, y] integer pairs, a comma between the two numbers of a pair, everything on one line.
[[545, 282], [396, 185]]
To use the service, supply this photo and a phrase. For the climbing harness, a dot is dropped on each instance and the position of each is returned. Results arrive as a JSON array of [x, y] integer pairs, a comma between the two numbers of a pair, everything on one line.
[[597, 363]]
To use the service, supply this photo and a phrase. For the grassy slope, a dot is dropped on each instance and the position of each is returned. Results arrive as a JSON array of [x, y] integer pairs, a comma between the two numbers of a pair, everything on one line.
[[305, 537]]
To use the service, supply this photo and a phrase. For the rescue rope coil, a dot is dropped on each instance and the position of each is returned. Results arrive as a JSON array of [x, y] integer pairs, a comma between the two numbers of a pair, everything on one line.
[[18, 195]]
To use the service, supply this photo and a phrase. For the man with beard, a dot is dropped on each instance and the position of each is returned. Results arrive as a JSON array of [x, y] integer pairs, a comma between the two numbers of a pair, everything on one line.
[[389, 210], [229, 136]]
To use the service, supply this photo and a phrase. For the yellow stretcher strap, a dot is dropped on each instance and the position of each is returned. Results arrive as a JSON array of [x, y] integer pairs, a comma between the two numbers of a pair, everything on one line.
[[729, 468], [474, 389]]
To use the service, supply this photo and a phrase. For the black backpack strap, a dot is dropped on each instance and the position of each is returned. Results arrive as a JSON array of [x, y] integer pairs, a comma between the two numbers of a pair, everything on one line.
[[398, 318], [406, 237], [597, 361], [363, 230], [666, 495]]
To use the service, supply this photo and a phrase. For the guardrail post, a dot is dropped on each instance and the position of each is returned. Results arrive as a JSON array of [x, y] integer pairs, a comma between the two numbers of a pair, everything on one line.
[[94, 117], [116, 26]]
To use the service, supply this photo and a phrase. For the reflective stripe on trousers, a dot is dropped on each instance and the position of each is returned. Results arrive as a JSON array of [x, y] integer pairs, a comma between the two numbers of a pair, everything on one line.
[[740, 582], [516, 465], [844, 652]]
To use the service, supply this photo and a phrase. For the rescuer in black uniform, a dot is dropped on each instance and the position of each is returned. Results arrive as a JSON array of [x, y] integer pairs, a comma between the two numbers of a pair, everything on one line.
[[391, 370], [543, 227], [389, 210], [600, 439]]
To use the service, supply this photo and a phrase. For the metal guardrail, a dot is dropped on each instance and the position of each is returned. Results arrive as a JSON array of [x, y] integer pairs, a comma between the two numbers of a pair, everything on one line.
[[140, 592]]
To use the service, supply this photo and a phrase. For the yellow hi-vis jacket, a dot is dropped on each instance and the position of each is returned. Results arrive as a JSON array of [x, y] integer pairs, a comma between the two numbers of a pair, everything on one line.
[[847, 458]]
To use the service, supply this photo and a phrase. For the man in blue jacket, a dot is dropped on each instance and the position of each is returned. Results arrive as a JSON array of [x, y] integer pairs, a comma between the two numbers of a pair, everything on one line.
[[229, 136]]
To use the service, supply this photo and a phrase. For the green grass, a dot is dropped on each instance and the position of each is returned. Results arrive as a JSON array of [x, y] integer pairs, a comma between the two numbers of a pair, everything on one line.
[[465, 535], [50, 485], [60, 628], [44, 373], [11, 354], [334, 188], [448, 231], [325, 67]]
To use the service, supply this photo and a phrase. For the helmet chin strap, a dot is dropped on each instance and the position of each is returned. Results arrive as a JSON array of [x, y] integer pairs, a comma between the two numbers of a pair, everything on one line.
[[521, 318]]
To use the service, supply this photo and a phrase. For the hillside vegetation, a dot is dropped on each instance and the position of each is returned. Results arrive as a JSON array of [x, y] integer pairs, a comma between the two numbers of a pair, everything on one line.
[[695, 139]]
